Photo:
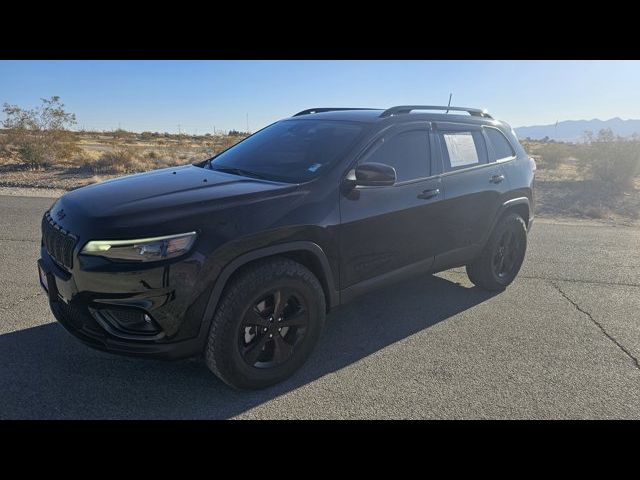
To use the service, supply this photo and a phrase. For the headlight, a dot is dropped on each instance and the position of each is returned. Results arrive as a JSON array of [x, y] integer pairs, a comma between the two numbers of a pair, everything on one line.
[[142, 249]]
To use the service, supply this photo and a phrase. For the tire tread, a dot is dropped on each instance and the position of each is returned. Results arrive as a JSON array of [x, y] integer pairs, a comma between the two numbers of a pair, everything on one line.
[[480, 271], [217, 354]]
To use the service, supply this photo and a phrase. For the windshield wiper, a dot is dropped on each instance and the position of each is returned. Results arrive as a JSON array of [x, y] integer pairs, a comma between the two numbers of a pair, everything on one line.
[[237, 171]]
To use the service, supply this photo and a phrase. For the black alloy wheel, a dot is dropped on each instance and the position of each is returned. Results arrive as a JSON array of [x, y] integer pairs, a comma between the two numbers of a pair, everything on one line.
[[506, 256], [272, 328], [267, 322], [501, 259]]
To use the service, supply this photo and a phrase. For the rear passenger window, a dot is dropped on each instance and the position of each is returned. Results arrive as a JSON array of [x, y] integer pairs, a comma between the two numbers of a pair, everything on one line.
[[501, 146], [407, 152], [463, 149]]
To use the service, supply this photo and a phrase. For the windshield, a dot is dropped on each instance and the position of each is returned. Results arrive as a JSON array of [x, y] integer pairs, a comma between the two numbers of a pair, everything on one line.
[[289, 151]]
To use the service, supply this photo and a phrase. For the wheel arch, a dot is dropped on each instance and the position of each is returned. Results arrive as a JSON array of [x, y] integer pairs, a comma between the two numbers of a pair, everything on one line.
[[306, 253], [519, 205]]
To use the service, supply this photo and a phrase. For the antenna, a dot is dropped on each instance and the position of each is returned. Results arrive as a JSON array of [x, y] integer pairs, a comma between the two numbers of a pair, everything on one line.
[[449, 104]]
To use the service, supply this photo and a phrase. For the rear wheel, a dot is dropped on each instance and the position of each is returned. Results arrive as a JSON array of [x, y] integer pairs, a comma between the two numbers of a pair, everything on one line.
[[503, 255], [266, 325]]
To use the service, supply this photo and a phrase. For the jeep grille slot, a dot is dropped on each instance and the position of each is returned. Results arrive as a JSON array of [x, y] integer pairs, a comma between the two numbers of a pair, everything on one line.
[[58, 242]]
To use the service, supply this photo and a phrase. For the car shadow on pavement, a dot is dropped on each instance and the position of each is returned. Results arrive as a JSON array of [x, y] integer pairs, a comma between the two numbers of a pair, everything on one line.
[[45, 373]]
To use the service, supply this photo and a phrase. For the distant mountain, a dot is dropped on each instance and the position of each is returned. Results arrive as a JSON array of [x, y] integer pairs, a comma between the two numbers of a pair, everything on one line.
[[573, 130]]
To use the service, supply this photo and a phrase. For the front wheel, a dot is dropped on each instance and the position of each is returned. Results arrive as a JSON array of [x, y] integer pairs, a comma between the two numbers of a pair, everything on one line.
[[502, 257], [266, 325]]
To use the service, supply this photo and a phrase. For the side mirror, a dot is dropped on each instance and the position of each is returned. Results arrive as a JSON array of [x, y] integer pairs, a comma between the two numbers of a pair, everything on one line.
[[375, 175]]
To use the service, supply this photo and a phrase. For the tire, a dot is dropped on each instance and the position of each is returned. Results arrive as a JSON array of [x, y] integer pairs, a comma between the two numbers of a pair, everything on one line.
[[486, 271], [239, 349]]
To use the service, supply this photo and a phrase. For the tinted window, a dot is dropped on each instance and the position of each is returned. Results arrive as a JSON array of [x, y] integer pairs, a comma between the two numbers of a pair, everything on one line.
[[407, 152], [501, 146], [463, 149], [290, 151]]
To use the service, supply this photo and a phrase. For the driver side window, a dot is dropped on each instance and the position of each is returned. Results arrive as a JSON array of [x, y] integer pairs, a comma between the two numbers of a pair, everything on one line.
[[407, 152]]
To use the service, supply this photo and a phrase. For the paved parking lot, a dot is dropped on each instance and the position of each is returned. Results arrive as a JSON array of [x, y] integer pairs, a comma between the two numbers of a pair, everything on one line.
[[562, 342]]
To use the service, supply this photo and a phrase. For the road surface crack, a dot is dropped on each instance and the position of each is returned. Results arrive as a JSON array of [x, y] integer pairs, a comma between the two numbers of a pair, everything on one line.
[[565, 280], [599, 325], [589, 282]]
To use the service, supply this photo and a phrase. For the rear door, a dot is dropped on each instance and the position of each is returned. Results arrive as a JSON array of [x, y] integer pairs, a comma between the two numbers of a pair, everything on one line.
[[473, 184], [386, 228]]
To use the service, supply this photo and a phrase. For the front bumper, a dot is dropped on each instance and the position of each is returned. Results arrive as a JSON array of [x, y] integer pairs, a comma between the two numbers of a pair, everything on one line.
[[75, 308]]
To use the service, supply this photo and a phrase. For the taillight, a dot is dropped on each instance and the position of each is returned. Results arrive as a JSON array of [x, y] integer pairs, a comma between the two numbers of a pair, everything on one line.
[[532, 163]]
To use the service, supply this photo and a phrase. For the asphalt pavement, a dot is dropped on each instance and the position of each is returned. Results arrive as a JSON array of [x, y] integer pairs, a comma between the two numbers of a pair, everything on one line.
[[563, 341]]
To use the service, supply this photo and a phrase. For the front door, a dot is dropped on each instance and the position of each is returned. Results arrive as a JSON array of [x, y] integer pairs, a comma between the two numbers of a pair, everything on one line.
[[386, 228]]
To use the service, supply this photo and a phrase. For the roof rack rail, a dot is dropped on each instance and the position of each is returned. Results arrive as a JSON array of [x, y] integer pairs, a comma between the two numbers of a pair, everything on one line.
[[328, 109], [476, 112]]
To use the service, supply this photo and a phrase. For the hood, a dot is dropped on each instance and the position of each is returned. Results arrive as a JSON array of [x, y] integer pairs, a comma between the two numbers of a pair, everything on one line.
[[156, 199]]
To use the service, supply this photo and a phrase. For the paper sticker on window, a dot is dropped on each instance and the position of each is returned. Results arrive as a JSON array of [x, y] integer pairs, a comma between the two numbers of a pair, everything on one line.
[[461, 148]]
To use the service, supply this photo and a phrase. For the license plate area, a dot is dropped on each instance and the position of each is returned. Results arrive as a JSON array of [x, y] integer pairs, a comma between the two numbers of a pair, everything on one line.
[[44, 282], [48, 282]]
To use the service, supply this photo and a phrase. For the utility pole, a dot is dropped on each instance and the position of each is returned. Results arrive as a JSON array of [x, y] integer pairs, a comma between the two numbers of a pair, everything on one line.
[[247, 122], [179, 131]]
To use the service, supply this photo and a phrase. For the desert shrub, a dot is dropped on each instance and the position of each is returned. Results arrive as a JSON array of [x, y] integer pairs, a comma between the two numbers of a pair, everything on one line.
[[120, 160], [82, 161], [553, 154], [40, 136], [236, 133], [610, 159], [152, 155], [166, 161], [122, 134], [593, 211]]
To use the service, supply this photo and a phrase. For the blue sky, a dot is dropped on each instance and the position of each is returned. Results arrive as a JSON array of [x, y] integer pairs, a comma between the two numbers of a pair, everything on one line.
[[198, 95]]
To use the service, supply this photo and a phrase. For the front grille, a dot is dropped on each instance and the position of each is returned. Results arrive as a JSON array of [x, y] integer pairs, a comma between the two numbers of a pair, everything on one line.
[[58, 242]]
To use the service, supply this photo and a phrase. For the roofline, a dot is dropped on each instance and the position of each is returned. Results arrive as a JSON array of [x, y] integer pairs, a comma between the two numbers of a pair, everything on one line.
[[329, 109], [399, 109]]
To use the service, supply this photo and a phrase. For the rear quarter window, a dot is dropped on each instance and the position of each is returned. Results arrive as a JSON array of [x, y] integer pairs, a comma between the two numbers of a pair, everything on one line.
[[499, 144]]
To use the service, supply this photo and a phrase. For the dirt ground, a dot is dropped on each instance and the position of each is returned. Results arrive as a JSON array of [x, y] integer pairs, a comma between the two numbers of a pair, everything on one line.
[[565, 193]]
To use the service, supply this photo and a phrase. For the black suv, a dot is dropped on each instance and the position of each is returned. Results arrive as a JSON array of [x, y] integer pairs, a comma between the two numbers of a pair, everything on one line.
[[240, 257]]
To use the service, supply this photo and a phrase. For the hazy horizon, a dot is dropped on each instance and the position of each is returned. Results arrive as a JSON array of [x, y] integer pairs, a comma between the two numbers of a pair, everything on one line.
[[195, 96]]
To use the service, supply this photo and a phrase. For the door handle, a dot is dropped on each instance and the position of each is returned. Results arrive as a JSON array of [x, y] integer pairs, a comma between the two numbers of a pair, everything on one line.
[[496, 178], [427, 194]]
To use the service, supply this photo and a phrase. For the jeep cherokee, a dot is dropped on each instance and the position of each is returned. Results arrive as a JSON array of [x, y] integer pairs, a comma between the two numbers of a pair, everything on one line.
[[240, 257]]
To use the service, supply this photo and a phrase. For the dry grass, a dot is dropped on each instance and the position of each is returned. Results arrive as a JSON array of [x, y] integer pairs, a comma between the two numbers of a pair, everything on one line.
[[570, 178], [126, 152], [104, 155], [585, 181]]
